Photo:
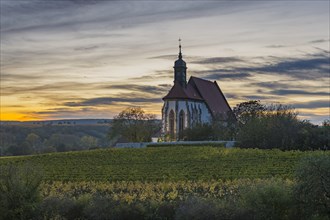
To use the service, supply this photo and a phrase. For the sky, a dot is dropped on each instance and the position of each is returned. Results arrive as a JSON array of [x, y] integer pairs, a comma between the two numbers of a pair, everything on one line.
[[91, 58]]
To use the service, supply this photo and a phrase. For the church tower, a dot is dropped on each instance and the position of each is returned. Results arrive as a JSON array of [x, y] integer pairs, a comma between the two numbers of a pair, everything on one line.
[[180, 69]]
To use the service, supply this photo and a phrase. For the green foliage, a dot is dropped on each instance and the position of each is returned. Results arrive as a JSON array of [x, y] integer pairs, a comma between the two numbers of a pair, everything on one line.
[[192, 188], [222, 127], [237, 199], [313, 184], [249, 110], [134, 125], [89, 141], [19, 192], [277, 126], [164, 163], [199, 132], [195, 208], [32, 139], [271, 200]]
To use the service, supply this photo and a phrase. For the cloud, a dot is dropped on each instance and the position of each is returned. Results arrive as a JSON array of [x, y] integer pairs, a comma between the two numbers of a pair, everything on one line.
[[275, 46], [101, 101], [308, 67], [154, 90], [319, 41], [284, 92], [311, 66], [299, 68], [313, 104], [228, 76], [272, 85], [157, 75], [79, 86], [52, 87], [217, 60], [257, 97]]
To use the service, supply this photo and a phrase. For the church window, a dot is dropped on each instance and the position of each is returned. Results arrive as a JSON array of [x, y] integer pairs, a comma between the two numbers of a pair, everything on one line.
[[181, 124], [188, 119], [172, 124]]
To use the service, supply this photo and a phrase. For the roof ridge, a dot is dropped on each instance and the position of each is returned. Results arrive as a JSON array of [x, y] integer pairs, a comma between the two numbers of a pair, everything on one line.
[[202, 79]]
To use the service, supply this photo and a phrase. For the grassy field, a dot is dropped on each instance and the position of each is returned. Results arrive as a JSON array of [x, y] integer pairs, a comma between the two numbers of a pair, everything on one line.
[[164, 164]]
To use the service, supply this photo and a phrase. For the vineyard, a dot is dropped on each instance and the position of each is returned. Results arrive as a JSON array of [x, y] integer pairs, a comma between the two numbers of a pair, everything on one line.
[[164, 164], [159, 192]]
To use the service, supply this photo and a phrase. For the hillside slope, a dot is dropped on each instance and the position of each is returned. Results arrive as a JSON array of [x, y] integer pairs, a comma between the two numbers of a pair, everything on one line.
[[164, 163]]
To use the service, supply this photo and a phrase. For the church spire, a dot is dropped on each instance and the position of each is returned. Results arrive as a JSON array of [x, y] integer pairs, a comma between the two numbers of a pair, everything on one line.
[[180, 69], [180, 54]]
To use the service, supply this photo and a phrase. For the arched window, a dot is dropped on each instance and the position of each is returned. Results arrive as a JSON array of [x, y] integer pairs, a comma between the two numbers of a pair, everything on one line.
[[181, 124], [188, 119], [195, 116], [171, 124]]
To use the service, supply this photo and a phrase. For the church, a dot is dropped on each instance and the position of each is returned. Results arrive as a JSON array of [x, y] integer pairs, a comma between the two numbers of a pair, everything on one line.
[[190, 103]]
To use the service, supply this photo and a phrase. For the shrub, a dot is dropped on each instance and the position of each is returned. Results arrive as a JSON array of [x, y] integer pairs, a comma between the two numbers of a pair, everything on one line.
[[313, 185], [197, 208], [165, 210], [19, 191], [101, 208], [268, 200]]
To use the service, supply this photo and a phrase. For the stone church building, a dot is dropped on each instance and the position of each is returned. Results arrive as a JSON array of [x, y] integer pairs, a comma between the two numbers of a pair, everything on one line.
[[190, 103]]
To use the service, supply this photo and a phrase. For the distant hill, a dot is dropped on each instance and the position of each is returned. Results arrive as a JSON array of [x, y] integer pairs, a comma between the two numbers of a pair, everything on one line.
[[59, 122]]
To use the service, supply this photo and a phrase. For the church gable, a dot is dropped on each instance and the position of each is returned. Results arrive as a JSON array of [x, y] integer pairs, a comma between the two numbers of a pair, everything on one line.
[[212, 95]]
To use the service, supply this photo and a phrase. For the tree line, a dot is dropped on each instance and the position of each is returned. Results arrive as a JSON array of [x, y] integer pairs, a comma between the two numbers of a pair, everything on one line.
[[256, 125], [33, 139], [252, 124]]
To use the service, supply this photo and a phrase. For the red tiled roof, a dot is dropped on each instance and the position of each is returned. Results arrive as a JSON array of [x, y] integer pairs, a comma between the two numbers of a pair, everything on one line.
[[178, 92], [201, 90], [212, 95]]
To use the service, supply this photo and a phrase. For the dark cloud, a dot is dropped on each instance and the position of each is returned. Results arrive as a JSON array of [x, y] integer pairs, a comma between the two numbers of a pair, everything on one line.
[[217, 60], [272, 85], [231, 95], [313, 104], [228, 76], [158, 74], [275, 46], [61, 111], [77, 86], [18, 77], [312, 67], [160, 89], [53, 87], [111, 100], [318, 41], [165, 57], [256, 97], [284, 92]]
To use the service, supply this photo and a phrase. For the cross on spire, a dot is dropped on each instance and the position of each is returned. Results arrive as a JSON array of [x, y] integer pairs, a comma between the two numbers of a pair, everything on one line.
[[180, 54]]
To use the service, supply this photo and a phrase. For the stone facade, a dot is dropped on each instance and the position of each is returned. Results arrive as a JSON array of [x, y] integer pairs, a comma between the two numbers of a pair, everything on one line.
[[178, 115]]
